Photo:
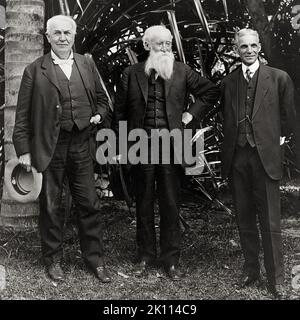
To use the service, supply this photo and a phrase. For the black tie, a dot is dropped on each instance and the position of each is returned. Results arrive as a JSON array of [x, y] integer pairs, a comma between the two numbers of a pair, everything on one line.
[[248, 77]]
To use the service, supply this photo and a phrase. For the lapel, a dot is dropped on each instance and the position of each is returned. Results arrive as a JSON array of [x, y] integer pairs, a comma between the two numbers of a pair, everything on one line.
[[261, 88], [168, 83], [50, 74], [235, 93], [83, 69], [49, 70], [143, 80]]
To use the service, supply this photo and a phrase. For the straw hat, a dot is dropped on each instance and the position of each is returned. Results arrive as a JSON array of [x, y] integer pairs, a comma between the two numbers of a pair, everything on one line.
[[21, 185]]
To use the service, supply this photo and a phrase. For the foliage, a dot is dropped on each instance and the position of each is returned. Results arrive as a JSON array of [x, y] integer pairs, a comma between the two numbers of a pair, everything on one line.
[[203, 33], [111, 31]]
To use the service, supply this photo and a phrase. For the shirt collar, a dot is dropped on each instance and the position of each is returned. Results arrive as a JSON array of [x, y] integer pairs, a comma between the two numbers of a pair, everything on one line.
[[56, 58], [253, 67]]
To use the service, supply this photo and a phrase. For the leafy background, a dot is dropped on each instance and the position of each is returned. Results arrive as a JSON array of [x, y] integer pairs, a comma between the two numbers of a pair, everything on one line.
[[111, 31]]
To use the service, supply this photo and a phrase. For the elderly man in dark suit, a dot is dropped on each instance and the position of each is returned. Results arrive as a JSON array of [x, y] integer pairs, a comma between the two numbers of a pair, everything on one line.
[[153, 96], [257, 103], [60, 101]]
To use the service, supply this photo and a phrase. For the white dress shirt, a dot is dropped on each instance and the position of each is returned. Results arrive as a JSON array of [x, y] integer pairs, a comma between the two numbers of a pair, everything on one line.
[[64, 64], [253, 67]]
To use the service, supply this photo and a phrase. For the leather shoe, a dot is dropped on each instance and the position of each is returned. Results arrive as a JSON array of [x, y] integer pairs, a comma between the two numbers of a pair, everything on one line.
[[248, 280], [277, 290], [102, 274], [140, 269], [55, 272], [173, 273]]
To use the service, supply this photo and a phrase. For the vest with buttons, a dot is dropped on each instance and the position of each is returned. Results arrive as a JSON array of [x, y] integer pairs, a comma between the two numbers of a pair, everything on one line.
[[155, 113], [246, 97], [76, 107]]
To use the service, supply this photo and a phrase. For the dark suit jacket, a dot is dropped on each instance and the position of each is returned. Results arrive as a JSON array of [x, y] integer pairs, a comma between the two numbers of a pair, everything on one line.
[[132, 95], [38, 111], [272, 117]]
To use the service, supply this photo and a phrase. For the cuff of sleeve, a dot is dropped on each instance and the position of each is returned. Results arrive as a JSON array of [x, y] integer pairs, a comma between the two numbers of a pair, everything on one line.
[[101, 117], [195, 116], [22, 149]]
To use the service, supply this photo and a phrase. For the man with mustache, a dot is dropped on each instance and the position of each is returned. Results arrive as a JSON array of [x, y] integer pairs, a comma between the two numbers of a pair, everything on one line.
[[153, 96], [258, 108]]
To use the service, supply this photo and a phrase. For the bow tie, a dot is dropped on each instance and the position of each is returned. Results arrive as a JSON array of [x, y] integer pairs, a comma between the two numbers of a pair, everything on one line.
[[60, 62]]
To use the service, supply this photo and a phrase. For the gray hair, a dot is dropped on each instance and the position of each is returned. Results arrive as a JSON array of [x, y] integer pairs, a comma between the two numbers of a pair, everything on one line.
[[56, 19], [151, 33], [244, 32]]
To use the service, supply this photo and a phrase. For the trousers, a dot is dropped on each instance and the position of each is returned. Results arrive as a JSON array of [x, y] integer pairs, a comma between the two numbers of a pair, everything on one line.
[[257, 197], [71, 159], [165, 181]]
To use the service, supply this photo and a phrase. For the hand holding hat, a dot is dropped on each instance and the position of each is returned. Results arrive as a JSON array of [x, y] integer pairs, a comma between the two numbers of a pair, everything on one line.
[[22, 180], [25, 161]]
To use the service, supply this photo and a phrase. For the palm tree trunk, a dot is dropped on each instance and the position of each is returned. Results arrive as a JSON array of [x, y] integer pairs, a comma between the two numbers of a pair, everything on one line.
[[2, 26], [24, 43]]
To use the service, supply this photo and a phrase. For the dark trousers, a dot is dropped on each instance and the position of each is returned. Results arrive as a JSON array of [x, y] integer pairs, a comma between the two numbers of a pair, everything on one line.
[[256, 195], [167, 177], [72, 159]]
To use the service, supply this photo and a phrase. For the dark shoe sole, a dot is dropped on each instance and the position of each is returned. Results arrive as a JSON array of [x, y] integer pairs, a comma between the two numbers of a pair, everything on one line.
[[254, 281], [56, 279]]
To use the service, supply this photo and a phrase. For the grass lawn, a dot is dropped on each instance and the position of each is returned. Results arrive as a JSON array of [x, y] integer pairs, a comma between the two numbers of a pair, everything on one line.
[[211, 257]]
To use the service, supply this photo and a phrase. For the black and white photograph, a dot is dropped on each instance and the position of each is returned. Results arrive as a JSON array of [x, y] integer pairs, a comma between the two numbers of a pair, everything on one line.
[[149, 153]]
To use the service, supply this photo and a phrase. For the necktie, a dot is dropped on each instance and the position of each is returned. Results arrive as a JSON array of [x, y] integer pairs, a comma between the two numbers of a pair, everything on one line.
[[61, 62], [248, 75]]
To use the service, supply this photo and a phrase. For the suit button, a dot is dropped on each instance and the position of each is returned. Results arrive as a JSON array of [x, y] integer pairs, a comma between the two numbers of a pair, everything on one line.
[[57, 107]]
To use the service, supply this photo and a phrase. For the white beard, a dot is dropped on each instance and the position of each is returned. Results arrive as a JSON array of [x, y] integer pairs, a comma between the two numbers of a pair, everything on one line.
[[161, 62]]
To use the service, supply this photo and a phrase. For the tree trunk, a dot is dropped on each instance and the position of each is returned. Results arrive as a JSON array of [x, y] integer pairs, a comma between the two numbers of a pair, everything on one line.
[[2, 26], [24, 43]]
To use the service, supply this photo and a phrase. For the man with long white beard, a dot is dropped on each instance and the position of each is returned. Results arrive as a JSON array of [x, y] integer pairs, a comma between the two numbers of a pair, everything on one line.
[[160, 61], [153, 96]]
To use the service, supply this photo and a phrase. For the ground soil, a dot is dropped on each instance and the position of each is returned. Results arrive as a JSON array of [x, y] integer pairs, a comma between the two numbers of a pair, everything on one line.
[[211, 258]]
